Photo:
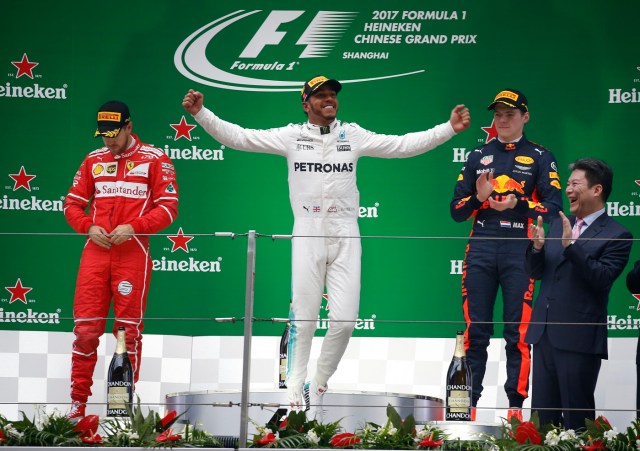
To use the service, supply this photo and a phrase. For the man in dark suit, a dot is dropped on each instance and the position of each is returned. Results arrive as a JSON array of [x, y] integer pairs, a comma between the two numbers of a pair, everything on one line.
[[633, 284], [578, 263]]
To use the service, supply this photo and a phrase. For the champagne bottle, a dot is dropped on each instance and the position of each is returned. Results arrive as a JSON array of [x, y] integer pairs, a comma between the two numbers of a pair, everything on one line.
[[120, 380], [284, 354], [459, 384]]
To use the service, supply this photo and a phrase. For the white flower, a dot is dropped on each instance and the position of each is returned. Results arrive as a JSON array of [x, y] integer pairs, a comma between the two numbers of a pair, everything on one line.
[[422, 434], [552, 438], [392, 431], [638, 445], [41, 419], [133, 435], [367, 428], [568, 435], [610, 434], [10, 430], [267, 431], [313, 437]]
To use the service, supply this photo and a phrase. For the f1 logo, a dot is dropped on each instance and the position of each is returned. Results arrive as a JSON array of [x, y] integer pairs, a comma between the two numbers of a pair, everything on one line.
[[326, 26]]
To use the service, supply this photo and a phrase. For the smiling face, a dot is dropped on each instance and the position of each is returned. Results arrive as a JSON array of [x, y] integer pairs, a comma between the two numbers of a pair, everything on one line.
[[322, 106], [583, 199], [509, 122]]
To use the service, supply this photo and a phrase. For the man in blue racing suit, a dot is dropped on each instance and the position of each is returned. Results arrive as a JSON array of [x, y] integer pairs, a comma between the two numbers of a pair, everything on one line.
[[503, 186], [322, 155]]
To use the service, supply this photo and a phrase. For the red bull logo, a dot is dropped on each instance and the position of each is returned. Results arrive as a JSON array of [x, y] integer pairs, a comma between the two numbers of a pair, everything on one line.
[[528, 295], [504, 184]]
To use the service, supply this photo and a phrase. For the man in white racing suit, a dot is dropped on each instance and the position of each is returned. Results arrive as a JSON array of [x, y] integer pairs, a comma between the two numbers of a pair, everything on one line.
[[322, 155]]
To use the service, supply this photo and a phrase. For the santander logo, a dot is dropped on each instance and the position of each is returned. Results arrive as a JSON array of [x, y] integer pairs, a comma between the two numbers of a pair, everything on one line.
[[247, 71]]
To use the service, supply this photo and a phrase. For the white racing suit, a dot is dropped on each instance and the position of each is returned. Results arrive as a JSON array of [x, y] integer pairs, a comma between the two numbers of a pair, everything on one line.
[[326, 245]]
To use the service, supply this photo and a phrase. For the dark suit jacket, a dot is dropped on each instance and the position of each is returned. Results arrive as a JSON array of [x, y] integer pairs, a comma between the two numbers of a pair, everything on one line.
[[575, 286], [633, 285], [633, 279]]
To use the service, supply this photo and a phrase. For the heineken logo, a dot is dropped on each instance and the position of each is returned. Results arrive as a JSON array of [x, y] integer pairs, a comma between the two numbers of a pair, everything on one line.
[[18, 294], [25, 68], [23, 180], [182, 129], [189, 265]]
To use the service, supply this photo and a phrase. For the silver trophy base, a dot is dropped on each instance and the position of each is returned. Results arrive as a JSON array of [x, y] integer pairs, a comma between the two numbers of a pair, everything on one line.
[[218, 411]]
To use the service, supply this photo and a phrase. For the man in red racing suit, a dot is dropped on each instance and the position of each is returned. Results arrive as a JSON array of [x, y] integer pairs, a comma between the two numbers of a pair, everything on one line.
[[132, 192], [503, 186]]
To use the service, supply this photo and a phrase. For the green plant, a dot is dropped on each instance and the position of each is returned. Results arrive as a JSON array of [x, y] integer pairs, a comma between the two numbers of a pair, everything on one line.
[[396, 433], [149, 430], [152, 431], [295, 431], [42, 430]]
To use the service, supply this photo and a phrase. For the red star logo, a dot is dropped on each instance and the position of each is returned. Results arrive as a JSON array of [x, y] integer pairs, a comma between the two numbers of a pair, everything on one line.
[[180, 241], [25, 67], [22, 179], [637, 296], [182, 129], [18, 292], [491, 131]]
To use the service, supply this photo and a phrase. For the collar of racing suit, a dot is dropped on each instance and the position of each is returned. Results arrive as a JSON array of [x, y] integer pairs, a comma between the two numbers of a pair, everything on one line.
[[322, 129], [511, 145], [132, 148]]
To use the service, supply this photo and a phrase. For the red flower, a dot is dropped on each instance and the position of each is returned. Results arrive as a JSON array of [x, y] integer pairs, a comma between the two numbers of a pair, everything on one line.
[[88, 428], [168, 419], [603, 423], [526, 431], [284, 423], [344, 440], [89, 423], [429, 443], [168, 436], [91, 439], [268, 438], [593, 446], [3, 438]]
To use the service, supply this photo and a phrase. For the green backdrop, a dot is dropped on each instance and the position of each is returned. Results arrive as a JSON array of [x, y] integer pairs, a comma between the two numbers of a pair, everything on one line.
[[403, 70]]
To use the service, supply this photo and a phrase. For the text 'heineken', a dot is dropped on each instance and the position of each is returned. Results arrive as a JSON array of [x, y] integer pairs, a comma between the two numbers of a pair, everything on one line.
[[120, 380], [459, 384], [284, 354]]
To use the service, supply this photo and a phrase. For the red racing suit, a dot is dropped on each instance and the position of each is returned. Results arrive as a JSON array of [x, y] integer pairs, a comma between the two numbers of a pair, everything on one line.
[[495, 253], [137, 187]]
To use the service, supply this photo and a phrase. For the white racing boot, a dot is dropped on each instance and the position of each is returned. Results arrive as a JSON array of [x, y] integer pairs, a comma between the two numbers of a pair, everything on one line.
[[313, 395]]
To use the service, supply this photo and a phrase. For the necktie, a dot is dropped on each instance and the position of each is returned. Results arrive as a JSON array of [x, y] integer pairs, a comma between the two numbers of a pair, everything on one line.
[[577, 228]]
